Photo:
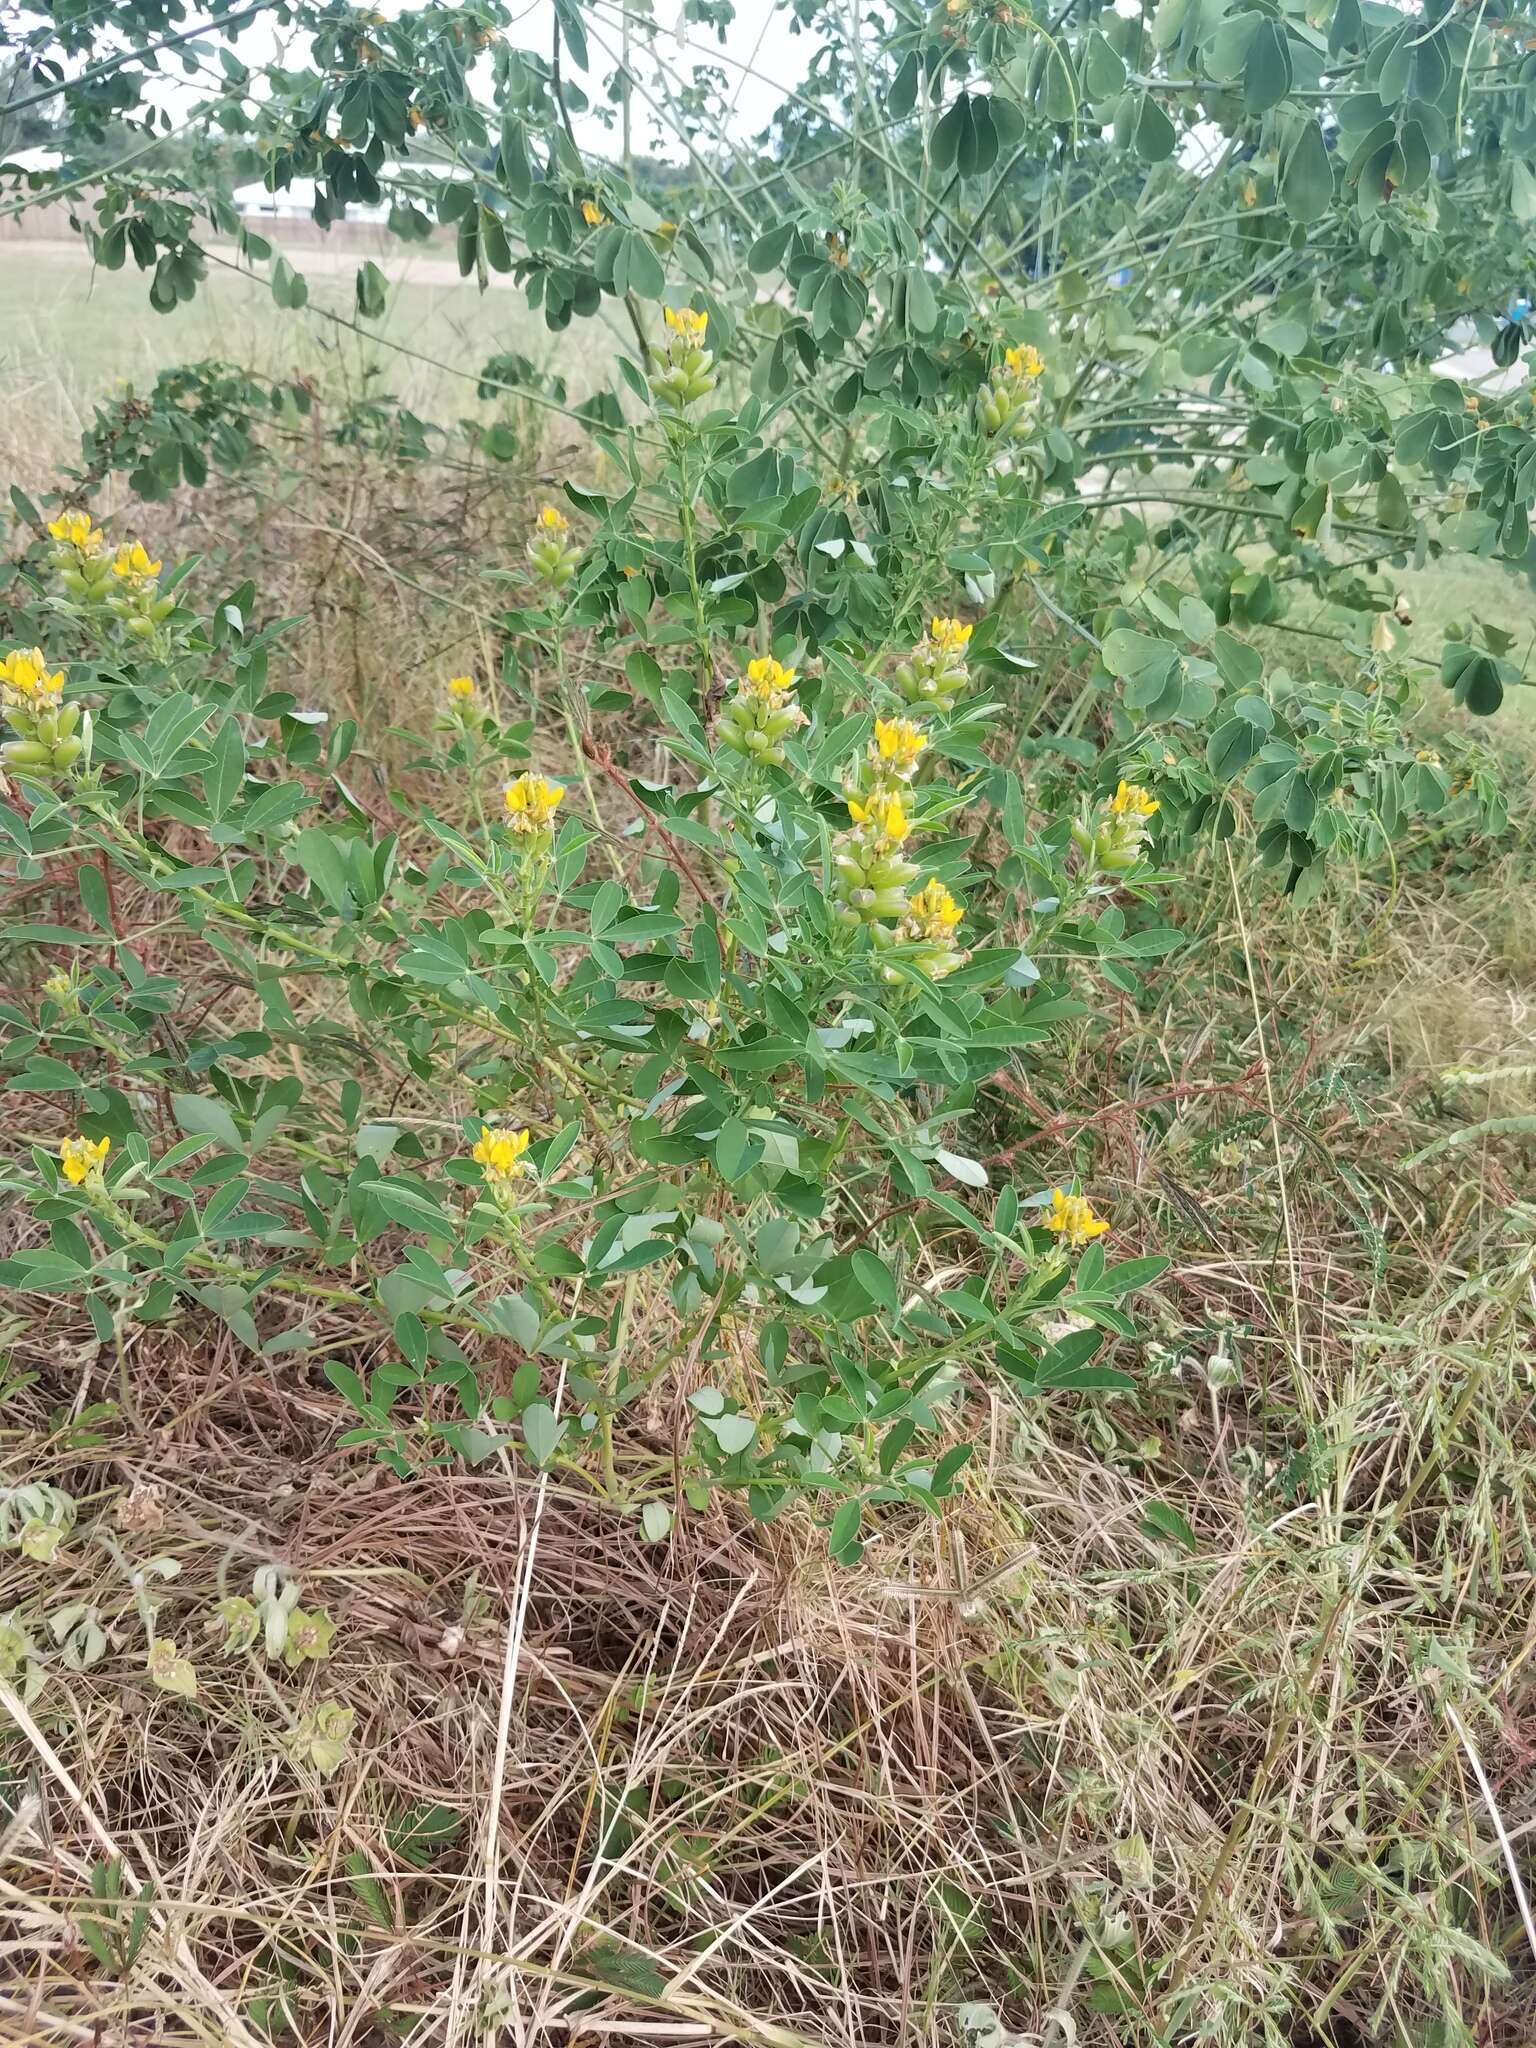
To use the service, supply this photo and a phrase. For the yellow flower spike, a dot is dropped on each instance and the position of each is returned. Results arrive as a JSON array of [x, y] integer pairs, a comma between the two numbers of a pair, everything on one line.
[[592, 213], [82, 1158], [25, 678], [1073, 1220], [934, 909], [885, 814], [132, 560], [953, 635], [76, 531], [500, 1152], [1131, 800], [532, 802], [686, 324], [553, 521], [769, 679], [461, 686], [898, 742], [1024, 362]]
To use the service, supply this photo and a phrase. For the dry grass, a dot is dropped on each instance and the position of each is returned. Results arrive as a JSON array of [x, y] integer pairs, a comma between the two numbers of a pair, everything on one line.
[[1165, 1733]]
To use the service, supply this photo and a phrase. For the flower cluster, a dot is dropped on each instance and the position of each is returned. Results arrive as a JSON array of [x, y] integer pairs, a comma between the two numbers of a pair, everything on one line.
[[458, 709], [50, 734], [1006, 404], [531, 802], [872, 870], [932, 918], [1072, 1219], [83, 1158], [500, 1154], [886, 768], [125, 581], [1116, 839], [134, 591], [935, 671], [84, 567], [762, 712], [687, 372], [553, 554], [873, 866]]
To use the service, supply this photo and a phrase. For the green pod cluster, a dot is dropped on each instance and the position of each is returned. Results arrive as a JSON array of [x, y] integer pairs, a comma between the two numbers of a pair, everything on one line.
[[50, 743], [688, 372], [871, 881], [931, 674], [83, 575], [756, 730], [140, 607], [554, 559], [687, 377], [1003, 408]]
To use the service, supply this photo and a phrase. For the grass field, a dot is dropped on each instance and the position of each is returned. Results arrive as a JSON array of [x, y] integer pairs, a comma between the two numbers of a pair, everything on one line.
[[71, 334], [1213, 1699]]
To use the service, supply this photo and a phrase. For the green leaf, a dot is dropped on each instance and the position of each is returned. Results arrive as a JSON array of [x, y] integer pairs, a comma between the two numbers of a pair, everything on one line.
[[372, 291], [225, 776], [1162, 1520], [843, 1537], [1153, 137], [1306, 182], [204, 1116], [318, 854], [876, 1279], [969, 1171], [422, 1832], [737, 1149], [1267, 73], [733, 1433], [542, 1431]]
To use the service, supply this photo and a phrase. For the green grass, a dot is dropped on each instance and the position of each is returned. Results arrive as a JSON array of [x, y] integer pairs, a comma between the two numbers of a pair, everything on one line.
[[70, 334]]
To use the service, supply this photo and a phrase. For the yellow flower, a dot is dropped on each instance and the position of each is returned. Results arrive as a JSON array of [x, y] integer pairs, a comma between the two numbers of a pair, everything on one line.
[[82, 1159], [417, 118], [686, 324], [501, 1152], [898, 742], [934, 910], [25, 677], [1131, 800], [461, 686], [769, 679], [532, 802], [1073, 1220], [1024, 362], [667, 227], [132, 560], [950, 634], [76, 531], [553, 521], [885, 814], [592, 213]]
